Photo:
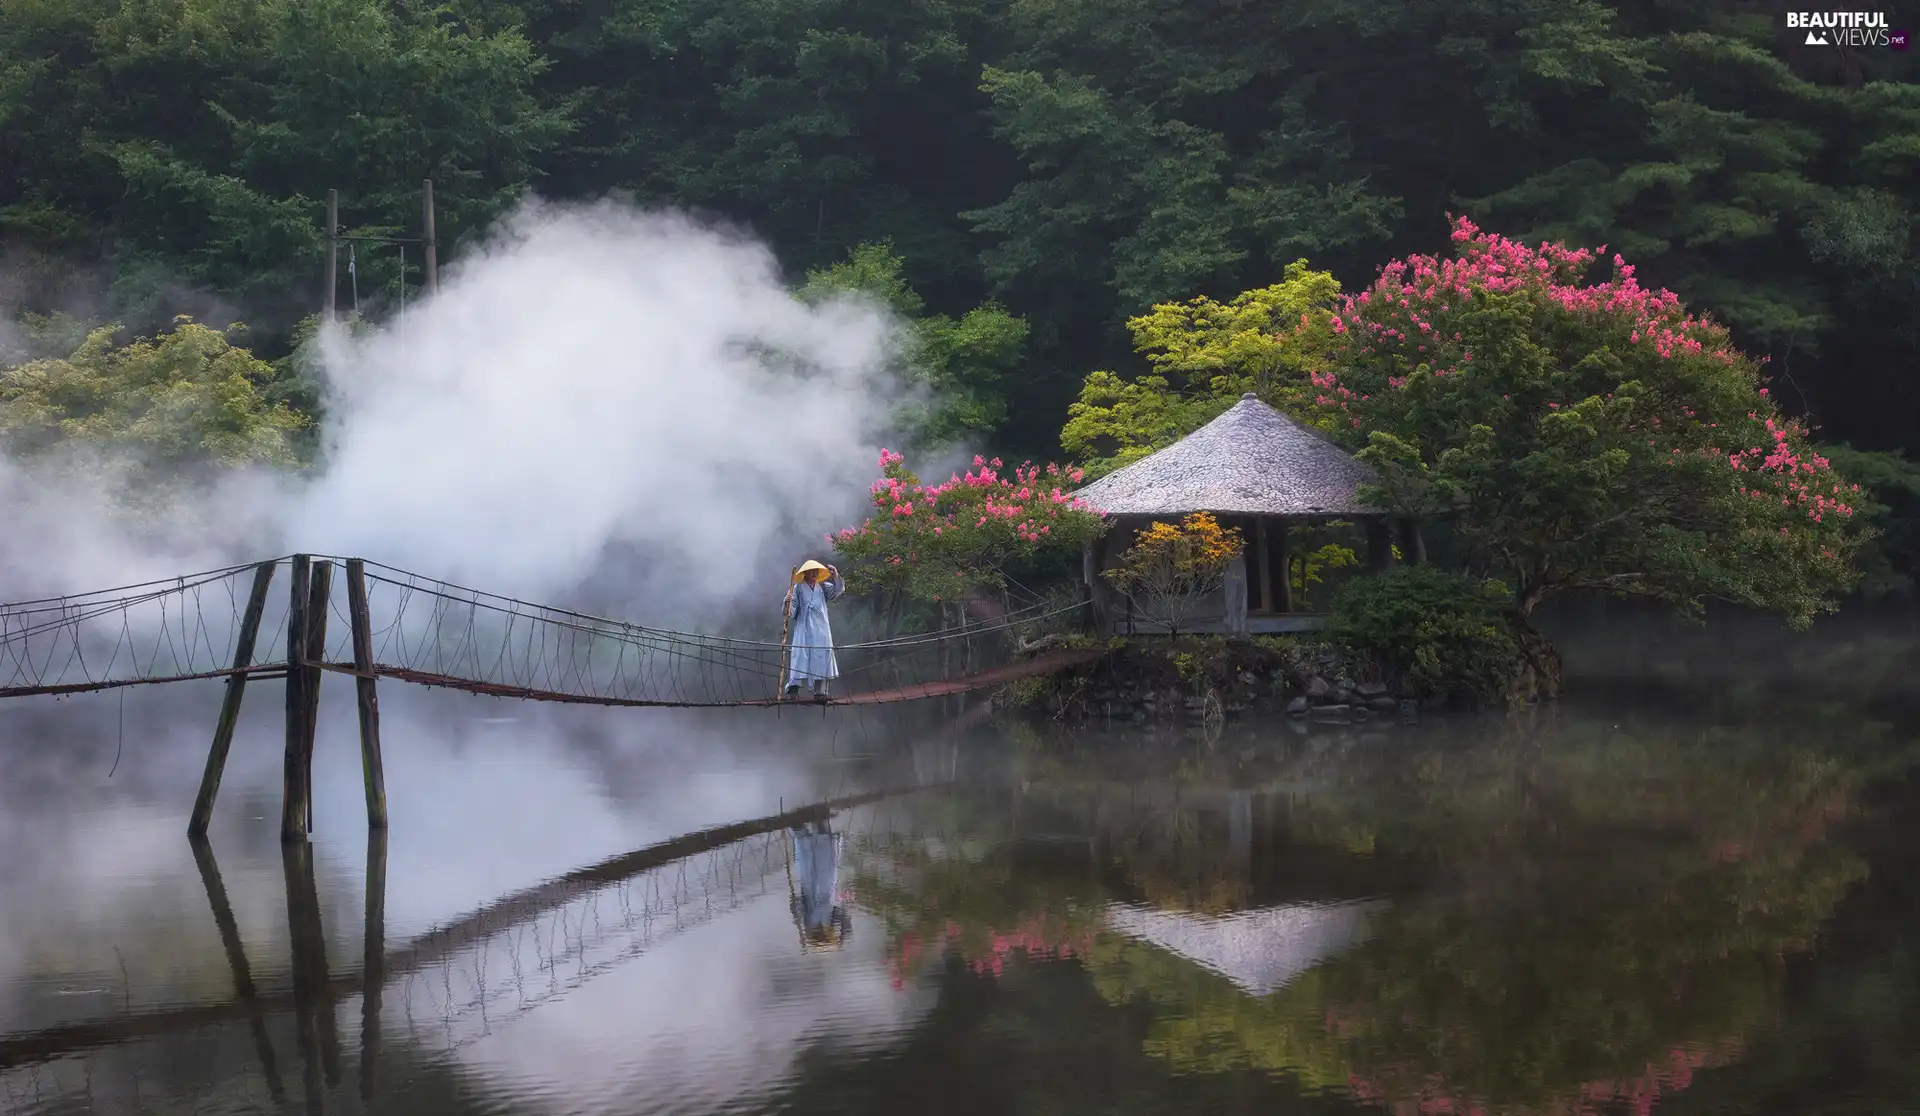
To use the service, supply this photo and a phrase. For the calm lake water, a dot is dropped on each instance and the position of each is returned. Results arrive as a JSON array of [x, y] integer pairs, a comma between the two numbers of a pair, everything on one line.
[[1691, 890]]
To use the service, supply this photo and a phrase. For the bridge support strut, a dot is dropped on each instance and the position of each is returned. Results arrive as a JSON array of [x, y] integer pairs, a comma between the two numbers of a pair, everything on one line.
[[372, 768], [230, 707], [306, 646]]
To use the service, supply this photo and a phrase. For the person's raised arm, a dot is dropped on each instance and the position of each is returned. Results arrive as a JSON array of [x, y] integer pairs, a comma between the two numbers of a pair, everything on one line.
[[835, 584]]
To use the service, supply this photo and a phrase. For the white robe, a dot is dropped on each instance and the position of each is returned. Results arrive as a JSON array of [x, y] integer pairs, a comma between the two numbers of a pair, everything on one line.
[[811, 658]]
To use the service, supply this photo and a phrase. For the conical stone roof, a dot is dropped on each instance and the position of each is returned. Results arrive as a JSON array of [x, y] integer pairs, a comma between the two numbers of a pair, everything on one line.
[[1252, 460]]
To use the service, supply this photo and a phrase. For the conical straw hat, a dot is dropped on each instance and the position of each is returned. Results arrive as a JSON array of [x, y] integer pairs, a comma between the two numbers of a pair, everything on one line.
[[807, 567]]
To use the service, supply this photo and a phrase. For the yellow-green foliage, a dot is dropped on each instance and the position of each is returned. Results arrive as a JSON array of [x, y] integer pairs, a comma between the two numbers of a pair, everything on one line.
[[167, 405], [1204, 355], [1169, 567]]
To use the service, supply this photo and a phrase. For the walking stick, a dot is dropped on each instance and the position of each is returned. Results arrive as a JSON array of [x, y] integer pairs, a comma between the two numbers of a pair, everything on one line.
[[786, 637]]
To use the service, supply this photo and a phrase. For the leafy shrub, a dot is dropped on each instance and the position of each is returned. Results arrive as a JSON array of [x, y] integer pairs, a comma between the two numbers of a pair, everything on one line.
[[1171, 568], [1441, 635]]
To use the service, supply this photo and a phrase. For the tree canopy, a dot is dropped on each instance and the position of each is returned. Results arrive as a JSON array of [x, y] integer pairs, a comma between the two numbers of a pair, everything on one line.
[[170, 405], [1589, 436], [1056, 166]]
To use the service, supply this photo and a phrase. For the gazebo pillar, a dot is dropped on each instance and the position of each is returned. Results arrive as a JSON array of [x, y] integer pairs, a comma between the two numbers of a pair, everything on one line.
[[1379, 544], [1262, 566], [1413, 548], [1283, 568], [1233, 592]]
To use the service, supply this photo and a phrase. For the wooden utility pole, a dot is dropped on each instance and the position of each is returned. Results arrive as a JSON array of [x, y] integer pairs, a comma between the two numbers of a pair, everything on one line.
[[433, 244], [333, 253]]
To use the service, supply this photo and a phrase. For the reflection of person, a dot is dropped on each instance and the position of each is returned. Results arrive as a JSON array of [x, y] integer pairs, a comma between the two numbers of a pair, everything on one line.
[[811, 659], [816, 881]]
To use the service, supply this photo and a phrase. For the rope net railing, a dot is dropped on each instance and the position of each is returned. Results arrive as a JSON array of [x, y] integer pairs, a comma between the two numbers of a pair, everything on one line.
[[437, 633], [173, 630]]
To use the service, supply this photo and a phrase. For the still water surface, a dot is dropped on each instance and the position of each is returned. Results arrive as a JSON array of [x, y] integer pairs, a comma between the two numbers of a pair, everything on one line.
[[1614, 905]]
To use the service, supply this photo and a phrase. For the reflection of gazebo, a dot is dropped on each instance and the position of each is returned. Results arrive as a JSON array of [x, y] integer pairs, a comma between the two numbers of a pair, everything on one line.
[[1257, 470], [1259, 951]]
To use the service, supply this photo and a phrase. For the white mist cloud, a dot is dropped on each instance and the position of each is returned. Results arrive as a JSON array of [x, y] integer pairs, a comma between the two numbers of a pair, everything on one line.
[[599, 378], [598, 397], [67, 529]]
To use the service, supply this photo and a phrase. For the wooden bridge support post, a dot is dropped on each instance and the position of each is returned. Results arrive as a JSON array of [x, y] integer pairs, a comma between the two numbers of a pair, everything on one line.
[[294, 789], [316, 652], [374, 956], [230, 708], [316, 1021], [372, 767], [243, 986]]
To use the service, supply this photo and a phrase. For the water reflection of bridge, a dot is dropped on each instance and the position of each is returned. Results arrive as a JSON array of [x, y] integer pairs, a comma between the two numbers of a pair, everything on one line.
[[448, 988], [454, 984]]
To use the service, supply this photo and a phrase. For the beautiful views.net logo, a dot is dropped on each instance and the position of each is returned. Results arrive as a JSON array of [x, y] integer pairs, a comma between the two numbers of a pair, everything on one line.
[[1860, 29]]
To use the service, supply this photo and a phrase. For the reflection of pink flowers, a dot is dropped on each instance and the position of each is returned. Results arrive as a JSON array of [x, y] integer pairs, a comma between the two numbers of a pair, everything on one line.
[[1433, 1097], [1039, 938]]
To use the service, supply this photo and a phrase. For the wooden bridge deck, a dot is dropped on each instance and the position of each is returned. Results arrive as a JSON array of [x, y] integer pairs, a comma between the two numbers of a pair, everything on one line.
[[1035, 667]]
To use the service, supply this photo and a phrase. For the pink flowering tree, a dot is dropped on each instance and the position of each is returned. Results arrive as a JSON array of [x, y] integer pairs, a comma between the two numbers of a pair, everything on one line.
[[968, 534], [1584, 435]]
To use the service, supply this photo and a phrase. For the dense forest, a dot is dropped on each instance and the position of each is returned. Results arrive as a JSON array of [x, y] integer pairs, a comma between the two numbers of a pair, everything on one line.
[[1029, 174]]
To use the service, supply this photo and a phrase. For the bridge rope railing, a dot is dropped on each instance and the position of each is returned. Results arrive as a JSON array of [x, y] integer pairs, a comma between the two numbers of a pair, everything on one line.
[[435, 632], [176, 629]]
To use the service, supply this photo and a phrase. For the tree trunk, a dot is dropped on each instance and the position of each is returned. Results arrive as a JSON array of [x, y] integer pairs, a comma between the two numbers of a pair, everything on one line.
[[1540, 667]]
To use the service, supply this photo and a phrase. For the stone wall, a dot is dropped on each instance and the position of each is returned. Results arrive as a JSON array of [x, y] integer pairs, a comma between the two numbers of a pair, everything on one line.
[[1157, 680]]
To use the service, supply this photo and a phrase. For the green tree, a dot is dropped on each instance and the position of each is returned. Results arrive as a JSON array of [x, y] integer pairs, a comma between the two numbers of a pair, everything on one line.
[[820, 124], [1585, 436], [1204, 355], [194, 141], [170, 407], [983, 532], [962, 363]]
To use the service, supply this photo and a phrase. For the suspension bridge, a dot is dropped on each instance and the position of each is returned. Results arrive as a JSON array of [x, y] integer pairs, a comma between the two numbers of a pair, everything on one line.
[[224, 624]]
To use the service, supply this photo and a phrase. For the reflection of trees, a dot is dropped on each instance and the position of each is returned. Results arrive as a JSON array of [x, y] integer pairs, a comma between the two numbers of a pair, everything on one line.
[[1583, 914], [983, 900], [1610, 916], [1180, 865]]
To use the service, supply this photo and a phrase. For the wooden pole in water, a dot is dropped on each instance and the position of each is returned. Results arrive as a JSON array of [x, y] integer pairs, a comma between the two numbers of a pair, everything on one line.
[[293, 802], [322, 585], [374, 957], [230, 708], [372, 769], [316, 1025], [243, 986]]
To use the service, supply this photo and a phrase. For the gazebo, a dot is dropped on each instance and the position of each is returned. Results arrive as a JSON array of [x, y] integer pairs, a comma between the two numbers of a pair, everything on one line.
[[1257, 471]]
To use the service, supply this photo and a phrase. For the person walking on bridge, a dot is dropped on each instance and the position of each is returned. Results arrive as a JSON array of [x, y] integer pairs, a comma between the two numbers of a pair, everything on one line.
[[810, 658]]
